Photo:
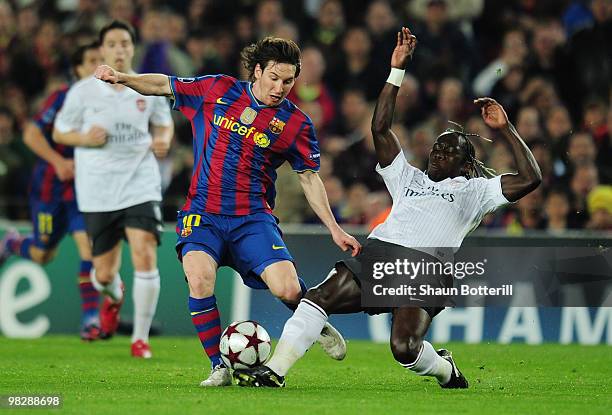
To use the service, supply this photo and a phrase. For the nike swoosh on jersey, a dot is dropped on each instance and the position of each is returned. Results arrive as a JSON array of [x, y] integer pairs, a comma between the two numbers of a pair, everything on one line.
[[220, 101], [277, 247]]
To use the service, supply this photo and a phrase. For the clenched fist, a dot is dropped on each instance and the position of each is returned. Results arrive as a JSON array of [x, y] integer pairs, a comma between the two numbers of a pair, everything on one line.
[[95, 137], [107, 74]]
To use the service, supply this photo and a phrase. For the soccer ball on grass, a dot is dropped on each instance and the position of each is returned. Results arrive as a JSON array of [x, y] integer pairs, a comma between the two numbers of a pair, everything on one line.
[[244, 344]]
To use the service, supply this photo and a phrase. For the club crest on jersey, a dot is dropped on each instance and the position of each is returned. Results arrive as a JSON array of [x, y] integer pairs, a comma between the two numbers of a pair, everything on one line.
[[276, 126], [261, 140], [248, 116], [141, 104], [186, 232]]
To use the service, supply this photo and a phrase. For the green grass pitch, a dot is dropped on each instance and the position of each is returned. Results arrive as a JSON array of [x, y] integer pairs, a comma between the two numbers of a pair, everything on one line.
[[504, 379]]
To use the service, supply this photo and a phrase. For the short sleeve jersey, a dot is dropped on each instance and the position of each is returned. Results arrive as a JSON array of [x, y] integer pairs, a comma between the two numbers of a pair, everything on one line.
[[123, 172], [428, 214], [238, 143]]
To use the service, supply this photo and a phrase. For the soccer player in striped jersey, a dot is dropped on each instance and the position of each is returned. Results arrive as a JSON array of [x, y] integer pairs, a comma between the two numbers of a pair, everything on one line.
[[431, 211], [53, 207], [242, 132]]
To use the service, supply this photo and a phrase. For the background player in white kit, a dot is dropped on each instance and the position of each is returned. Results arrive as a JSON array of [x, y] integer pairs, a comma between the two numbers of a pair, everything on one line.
[[432, 209], [118, 182]]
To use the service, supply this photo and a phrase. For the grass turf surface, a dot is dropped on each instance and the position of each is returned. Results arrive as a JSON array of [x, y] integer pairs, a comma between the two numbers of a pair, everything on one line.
[[102, 378]]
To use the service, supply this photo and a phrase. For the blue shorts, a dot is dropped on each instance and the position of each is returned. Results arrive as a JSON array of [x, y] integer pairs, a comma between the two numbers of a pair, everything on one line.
[[52, 220], [248, 244]]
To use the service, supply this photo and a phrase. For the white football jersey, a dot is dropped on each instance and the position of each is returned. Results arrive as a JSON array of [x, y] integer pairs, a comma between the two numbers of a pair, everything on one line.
[[428, 214], [124, 171]]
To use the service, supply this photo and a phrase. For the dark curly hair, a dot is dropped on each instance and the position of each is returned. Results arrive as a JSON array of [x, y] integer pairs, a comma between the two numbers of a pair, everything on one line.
[[270, 49]]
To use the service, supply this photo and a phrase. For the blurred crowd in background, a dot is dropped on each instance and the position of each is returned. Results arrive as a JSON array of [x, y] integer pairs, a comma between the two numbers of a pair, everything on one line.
[[548, 62]]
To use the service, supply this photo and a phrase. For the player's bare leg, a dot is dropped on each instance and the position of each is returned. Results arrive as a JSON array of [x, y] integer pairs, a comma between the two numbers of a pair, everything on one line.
[[282, 280], [410, 324], [145, 290], [201, 272], [338, 294], [90, 320], [106, 279]]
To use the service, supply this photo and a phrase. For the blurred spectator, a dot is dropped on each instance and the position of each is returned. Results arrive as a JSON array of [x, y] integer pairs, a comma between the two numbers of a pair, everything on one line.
[[584, 179], [309, 87], [291, 205], [581, 149], [353, 110], [558, 127], [354, 211], [590, 54], [500, 159], [32, 65], [546, 61], [542, 154], [441, 43], [287, 30], [599, 203], [378, 207], [450, 106], [528, 124], [14, 169], [358, 162], [336, 196], [526, 214], [604, 152], [508, 89], [156, 52], [124, 10], [540, 94], [268, 17], [355, 67], [419, 145], [89, 14], [381, 24], [512, 55], [458, 10], [408, 106], [556, 209], [329, 27], [594, 119]]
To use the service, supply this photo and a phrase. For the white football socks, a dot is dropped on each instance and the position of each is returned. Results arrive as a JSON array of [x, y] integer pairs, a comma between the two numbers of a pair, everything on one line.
[[300, 332], [429, 363], [113, 289], [145, 293]]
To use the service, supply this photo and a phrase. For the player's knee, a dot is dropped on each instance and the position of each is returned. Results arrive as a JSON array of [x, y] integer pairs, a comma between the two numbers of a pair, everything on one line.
[[289, 292], [145, 259], [103, 276], [406, 349], [320, 297]]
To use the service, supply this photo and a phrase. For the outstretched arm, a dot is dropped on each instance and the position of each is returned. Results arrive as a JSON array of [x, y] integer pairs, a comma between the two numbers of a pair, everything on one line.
[[145, 84], [529, 176], [386, 143]]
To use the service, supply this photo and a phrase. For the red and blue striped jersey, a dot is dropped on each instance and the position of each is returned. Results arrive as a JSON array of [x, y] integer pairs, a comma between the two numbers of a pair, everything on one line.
[[44, 184], [238, 143]]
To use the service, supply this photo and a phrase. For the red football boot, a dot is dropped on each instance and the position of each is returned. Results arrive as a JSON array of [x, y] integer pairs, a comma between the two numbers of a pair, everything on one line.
[[141, 350], [109, 316]]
